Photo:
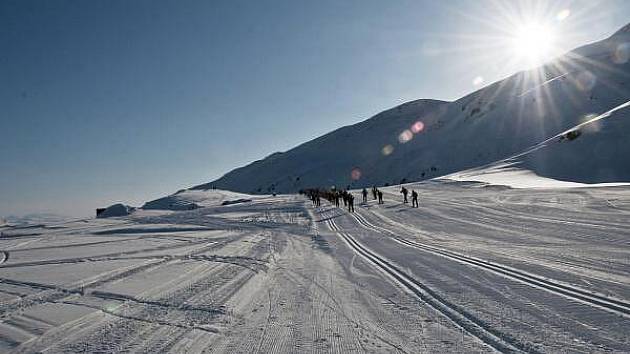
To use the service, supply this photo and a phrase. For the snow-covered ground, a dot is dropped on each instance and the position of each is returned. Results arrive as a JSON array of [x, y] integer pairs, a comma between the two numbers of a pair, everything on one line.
[[514, 177], [477, 268]]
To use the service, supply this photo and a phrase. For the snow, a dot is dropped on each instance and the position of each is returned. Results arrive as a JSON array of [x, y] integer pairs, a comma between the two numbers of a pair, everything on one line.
[[597, 152], [33, 219], [195, 198], [519, 178], [472, 270]]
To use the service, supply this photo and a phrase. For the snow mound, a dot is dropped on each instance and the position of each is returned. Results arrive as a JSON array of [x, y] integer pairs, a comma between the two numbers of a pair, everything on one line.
[[116, 210], [190, 199]]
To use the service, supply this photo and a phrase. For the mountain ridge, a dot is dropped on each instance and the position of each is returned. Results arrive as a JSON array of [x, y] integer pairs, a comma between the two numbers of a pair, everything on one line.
[[492, 123]]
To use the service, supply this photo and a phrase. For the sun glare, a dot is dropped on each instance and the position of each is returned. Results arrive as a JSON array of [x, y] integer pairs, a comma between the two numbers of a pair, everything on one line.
[[533, 43]]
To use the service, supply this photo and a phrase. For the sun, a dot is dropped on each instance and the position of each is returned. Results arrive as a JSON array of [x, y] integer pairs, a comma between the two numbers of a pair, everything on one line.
[[533, 43]]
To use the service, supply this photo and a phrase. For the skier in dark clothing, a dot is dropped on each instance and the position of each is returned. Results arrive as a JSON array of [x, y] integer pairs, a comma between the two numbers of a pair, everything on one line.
[[344, 196], [414, 199], [350, 203], [374, 192], [365, 193], [404, 192], [380, 197], [337, 199]]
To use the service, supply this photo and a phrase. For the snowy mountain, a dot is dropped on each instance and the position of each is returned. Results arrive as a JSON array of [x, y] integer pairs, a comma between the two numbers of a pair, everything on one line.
[[427, 138], [329, 159]]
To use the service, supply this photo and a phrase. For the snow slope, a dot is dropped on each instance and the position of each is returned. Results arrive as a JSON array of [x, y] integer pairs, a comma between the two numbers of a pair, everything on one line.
[[329, 159], [590, 153], [490, 124]]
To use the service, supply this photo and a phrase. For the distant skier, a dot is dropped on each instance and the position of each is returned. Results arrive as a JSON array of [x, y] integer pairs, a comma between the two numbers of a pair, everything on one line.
[[380, 197], [336, 196], [404, 192], [414, 199], [374, 192], [365, 193], [350, 203]]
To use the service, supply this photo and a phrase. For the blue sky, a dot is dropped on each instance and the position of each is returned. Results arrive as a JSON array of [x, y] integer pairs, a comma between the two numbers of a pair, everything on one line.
[[110, 101]]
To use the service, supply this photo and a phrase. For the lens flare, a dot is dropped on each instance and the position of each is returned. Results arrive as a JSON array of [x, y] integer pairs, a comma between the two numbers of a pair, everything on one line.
[[594, 126], [417, 127], [355, 174], [387, 150], [478, 81], [405, 136], [562, 15], [585, 80], [111, 307], [621, 54]]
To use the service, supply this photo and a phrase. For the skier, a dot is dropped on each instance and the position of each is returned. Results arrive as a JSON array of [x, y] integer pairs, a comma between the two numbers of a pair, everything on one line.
[[414, 199], [336, 199], [374, 192], [380, 197], [365, 193], [350, 203], [404, 192]]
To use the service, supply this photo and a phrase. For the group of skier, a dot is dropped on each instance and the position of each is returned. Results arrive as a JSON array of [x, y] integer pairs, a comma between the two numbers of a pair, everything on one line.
[[414, 197], [335, 197]]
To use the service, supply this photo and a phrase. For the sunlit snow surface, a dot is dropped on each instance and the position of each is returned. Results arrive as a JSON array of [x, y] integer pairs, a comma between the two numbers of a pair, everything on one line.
[[468, 271], [520, 178]]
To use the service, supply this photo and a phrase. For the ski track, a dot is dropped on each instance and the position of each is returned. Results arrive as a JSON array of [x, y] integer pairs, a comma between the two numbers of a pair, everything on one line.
[[470, 225], [56, 294], [117, 334], [270, 281], [613, 305], [475, 327]]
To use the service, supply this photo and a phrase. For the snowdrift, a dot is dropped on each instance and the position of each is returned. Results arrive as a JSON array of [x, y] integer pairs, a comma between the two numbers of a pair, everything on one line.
[[190, 199], [425, 139], [116, 210]]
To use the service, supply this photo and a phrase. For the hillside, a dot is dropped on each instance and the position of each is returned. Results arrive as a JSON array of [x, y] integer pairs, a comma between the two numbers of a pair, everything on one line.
[[590, 153], [491, 124]]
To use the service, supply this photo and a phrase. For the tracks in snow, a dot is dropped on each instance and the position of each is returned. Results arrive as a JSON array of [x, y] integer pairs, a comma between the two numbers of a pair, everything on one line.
[[616, 306], [471, 324]]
